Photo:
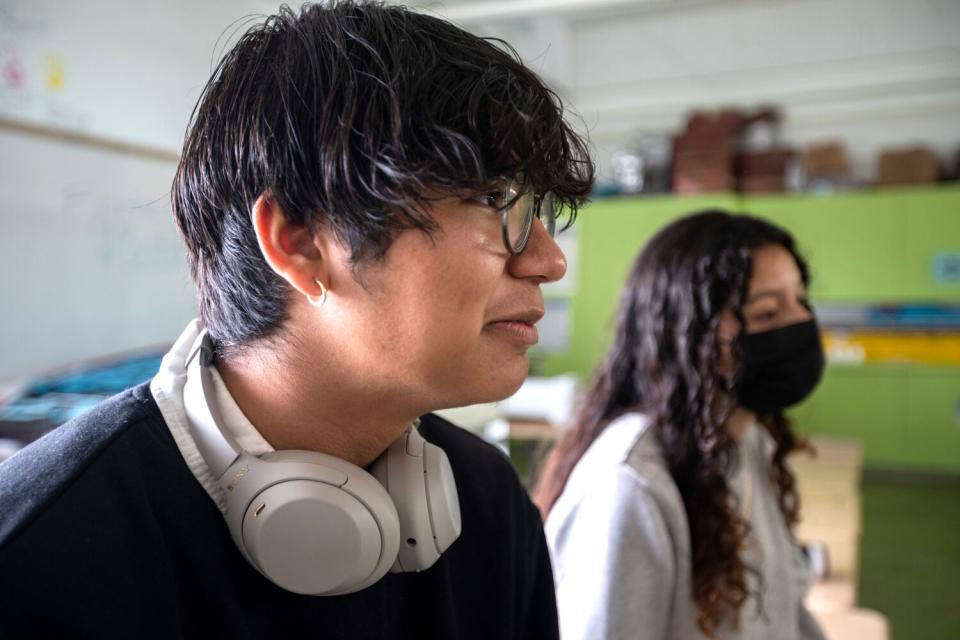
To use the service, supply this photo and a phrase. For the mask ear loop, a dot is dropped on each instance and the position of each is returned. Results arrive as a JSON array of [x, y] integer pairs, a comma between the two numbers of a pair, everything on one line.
[[318, 301]]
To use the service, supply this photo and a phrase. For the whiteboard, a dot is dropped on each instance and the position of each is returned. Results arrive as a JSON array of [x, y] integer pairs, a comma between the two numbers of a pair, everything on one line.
[[125, 71], [90, 259]]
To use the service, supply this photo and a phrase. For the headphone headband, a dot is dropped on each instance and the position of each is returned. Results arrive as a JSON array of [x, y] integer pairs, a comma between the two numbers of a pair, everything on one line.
[[217, 446]]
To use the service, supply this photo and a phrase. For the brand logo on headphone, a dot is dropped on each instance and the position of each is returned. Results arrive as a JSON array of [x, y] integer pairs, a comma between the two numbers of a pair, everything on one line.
[[237, 477]]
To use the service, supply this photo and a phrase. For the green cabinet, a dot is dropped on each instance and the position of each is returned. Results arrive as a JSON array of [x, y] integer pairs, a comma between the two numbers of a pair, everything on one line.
[[869, 247], [874, 246], [906, 416], [931, 426], [854, 243], [866, 403]]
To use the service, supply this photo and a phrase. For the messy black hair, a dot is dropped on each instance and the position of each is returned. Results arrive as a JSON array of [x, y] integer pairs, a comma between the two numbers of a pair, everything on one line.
[[350, 115]]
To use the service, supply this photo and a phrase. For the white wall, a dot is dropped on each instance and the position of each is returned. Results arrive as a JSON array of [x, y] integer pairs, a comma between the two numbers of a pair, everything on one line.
[[874, 73], [127, 70], [91, 263]]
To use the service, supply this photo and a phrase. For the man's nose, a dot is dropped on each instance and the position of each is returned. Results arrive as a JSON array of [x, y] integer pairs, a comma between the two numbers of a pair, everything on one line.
[[542, 259]]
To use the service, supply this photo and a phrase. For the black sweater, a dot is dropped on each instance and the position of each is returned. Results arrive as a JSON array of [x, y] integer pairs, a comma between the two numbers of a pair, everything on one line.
[[105, 532]]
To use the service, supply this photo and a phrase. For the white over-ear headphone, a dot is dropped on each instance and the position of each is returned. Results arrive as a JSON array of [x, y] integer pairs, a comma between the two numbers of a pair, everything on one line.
[[316, 524]]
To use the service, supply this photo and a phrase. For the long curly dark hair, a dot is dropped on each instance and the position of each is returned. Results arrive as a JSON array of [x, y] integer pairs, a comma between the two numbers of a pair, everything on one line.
[[665, 362]]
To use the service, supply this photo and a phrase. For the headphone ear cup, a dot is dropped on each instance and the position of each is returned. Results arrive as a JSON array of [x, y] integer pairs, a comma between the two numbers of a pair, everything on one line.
[[311, 523], [411, 469], [442, 498]]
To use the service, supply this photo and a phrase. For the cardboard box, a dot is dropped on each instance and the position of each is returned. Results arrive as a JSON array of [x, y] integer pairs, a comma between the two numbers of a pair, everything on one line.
[[762, 171], [826, 161], [908, 166]]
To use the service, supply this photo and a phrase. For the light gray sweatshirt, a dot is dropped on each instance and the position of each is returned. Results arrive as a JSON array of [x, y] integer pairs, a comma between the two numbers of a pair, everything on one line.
[[621, 545]]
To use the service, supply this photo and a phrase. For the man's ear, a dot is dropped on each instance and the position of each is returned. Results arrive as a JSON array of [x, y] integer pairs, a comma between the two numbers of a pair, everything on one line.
[[291, 249]]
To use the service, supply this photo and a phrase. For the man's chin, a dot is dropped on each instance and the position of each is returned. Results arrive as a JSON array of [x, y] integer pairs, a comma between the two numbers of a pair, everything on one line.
[[509, 380], [505, 385]]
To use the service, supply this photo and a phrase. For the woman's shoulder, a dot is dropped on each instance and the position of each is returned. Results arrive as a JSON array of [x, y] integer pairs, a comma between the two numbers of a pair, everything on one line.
[[628, 444], [618, 441], [622, 490], [625, 461]]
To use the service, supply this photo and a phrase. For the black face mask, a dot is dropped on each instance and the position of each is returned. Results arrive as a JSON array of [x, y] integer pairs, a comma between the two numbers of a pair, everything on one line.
[[780, 367]]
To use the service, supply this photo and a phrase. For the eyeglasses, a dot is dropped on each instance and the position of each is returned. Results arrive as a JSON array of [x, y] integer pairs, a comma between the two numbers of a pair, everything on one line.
[[521, 206]]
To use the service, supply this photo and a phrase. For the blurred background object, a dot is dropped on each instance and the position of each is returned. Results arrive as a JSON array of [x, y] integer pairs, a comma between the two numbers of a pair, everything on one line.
[[34, 407], [703, 153], [873, 74], [763, 160], [826, 166], [908, 166], [644, 166]]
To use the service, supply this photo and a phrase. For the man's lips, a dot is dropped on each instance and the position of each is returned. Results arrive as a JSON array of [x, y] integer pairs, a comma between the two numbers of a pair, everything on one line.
[[529, 316], [518, 327]]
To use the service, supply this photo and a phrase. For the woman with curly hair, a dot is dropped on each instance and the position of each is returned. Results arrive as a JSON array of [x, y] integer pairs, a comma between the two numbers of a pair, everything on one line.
[[669, 504]]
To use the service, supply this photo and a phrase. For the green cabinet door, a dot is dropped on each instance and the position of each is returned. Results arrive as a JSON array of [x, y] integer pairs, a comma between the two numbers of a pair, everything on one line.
[[906, 416], [852, 242], [866, 403], [932, 221], [931, 427]]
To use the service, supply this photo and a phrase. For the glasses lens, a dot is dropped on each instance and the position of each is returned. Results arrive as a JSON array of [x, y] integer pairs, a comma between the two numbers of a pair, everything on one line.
[[519, 218], [548, 213]]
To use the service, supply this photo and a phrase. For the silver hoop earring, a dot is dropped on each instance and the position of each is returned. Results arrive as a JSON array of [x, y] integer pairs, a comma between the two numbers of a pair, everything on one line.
[[318, 301]]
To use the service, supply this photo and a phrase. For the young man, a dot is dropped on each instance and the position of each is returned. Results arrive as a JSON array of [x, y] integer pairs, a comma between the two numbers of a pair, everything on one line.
[[367, 197]]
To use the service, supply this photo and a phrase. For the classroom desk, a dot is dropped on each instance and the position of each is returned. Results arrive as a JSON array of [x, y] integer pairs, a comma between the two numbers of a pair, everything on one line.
[[855, 624], [533, 430], [828, 484]]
